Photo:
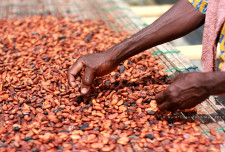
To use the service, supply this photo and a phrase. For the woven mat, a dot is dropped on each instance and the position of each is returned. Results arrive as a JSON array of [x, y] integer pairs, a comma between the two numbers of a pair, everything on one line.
[[210, 112]]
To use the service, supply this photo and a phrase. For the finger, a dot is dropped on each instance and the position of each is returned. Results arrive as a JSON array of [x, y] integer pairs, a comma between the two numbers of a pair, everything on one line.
[[188, 104], [164, 106], [173, 109], [160, 97], [87, 81], [77, 66], [71, 79]]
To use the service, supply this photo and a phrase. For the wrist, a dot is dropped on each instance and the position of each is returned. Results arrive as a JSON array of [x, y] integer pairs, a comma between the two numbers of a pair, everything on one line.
[[120, 52], [214, 82]]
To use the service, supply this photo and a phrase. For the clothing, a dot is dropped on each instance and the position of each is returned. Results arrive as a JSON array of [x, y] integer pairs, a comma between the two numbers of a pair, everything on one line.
[[210, 32]]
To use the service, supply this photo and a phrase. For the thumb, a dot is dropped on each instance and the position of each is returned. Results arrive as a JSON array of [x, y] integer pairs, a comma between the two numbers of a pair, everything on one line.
[[160, 98], [87, 80]]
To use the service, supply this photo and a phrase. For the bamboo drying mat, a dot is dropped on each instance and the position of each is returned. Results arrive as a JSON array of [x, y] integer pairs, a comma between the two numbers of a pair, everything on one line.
[[210, 113]]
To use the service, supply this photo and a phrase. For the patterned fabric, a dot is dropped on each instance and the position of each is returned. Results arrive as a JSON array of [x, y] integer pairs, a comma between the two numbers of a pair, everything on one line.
[[222, 46], [201, 6]]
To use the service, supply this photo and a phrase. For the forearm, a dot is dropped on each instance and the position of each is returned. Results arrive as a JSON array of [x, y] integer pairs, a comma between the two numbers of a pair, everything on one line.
[[181, 19], [215, 82]]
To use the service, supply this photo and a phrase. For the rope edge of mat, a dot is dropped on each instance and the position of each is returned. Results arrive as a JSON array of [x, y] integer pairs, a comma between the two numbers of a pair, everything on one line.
[[175, 68], [182, 69], [220, 129], [171, 52]]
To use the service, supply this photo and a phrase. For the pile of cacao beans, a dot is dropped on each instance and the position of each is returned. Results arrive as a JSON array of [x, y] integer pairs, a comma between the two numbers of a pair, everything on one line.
[[39, 111]]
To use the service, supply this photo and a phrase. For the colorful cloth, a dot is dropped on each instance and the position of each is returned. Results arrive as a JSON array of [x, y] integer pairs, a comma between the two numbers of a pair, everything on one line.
[[201, 6]]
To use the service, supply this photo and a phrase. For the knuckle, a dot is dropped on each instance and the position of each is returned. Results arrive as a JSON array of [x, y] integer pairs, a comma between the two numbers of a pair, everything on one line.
[[80, 59], [86, 81], [174, 95], [169, 91]]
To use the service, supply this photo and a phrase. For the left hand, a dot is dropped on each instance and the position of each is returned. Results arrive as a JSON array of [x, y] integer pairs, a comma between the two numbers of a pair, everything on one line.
[[185, 92]]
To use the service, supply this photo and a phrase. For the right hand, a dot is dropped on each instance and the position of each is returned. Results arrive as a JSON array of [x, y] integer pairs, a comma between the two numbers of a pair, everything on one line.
[[95, 65], [187, 90]]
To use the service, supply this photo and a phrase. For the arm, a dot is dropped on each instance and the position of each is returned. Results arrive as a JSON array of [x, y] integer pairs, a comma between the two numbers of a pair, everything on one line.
[[181, 19], [215, 83]]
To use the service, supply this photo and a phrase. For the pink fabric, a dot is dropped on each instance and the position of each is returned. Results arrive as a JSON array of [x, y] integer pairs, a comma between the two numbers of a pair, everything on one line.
[[223, 67], [215, 17]]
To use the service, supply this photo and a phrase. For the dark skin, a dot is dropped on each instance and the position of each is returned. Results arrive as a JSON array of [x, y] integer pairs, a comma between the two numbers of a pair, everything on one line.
[[180, 20], [190, 89]]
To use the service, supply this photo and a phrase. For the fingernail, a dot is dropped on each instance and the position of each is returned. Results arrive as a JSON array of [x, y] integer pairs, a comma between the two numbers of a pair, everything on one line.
[[84, 90]]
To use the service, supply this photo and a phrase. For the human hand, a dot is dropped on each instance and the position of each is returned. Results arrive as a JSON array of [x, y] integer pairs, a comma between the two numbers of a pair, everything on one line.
[[185, 92], [95, 65]]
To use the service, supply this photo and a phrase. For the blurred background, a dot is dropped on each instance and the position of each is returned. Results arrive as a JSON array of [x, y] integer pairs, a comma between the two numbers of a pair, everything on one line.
[[150, 10]]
